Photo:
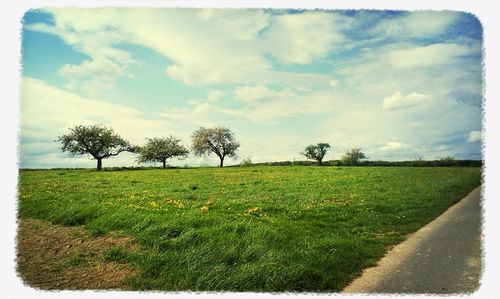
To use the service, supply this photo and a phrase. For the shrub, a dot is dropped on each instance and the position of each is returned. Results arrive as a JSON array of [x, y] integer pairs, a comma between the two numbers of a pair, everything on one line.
[[448, 161], [246, 162]]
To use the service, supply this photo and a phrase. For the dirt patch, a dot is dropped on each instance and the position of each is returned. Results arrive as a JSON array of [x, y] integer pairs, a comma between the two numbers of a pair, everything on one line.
[[57, 257]]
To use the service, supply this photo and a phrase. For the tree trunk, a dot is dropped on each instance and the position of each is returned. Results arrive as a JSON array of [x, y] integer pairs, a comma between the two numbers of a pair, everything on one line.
[[164, 164], [221, 161], [99, 163], [320, 160]]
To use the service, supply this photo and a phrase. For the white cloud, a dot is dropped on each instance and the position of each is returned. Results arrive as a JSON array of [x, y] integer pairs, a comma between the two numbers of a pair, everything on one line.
[[206, 46], [301, 38], [384, 69], [101, 68], [46, 112], [215, 95], [443, 147], [393, 145], [260, 104], [334, 83], [474, 136], [200, 114], [359, 120], [255, 94], [397, 101], [425, 56], [95, 39], [233, 47], [98, 74], [417, 24], [286, 107], [258, 148], [423, 24]]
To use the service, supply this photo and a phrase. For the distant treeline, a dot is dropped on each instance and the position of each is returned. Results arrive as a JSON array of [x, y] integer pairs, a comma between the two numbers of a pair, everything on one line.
[[413, 163]]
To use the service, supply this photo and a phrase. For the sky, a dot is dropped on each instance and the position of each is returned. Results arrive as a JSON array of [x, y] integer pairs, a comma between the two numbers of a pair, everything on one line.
[[400, 85]]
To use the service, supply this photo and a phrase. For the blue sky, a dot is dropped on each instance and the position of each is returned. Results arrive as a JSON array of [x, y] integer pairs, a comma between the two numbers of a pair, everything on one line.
[[399, 85]]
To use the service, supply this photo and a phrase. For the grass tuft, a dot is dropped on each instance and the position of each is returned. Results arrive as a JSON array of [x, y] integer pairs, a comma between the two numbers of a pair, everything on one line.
[[117, 254]]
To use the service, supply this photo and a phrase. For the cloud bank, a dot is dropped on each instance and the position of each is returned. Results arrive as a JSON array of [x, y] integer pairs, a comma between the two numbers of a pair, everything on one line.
[[399, 85]]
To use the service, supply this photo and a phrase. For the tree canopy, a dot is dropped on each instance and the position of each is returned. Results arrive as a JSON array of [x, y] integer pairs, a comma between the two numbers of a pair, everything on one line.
[[160, 149], [353, 156], [95, 140], [217, 140], [316, 152]]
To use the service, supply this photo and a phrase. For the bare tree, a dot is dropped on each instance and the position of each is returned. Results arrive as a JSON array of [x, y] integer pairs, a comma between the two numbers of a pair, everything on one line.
[[160, 149], [316, 152], [353, 156], [218, 140], [95, 140]]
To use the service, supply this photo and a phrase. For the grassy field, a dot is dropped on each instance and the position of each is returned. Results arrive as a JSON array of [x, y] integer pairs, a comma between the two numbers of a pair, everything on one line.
[[247, 228]]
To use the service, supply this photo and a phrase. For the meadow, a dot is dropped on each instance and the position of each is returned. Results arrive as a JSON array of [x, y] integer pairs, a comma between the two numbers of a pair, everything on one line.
[[259, 228]]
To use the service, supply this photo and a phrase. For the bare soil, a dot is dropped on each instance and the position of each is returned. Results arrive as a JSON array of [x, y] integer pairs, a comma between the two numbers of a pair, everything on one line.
[[58, 257]]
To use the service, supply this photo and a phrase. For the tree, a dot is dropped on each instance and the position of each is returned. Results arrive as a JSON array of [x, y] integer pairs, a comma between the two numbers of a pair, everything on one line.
[[95, 140], [353, 156], [447, 161], [218, 140], [316, 152], [161, 149]]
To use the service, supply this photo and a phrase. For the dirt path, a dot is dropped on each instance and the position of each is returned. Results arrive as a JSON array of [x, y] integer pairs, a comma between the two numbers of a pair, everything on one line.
[[57, 257], [441, 258]]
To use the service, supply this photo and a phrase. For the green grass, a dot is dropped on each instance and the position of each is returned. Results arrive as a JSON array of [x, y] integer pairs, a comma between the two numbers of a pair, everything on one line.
[[118, 254], [249, 228], [79, 260]]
